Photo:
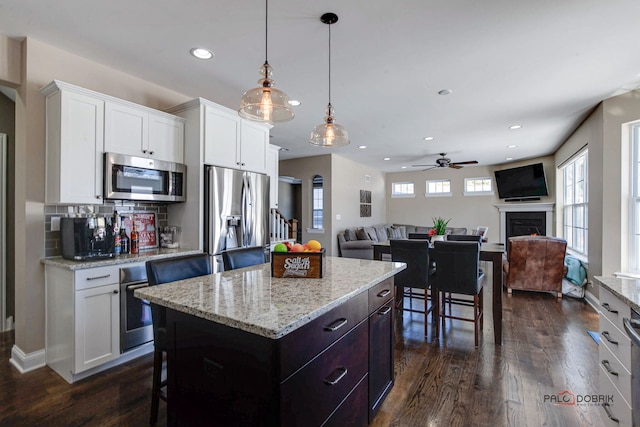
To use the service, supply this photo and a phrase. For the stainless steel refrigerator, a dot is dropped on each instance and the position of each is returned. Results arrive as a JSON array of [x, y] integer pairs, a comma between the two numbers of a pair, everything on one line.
[[236, 211]]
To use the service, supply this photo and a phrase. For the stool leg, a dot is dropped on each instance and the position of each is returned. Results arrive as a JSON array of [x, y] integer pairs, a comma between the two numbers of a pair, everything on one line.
[[155, 386]]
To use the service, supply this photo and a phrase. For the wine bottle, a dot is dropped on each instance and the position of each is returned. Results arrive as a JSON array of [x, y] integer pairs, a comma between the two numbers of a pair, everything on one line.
[[124, 240], [117, 240], [134, 238]]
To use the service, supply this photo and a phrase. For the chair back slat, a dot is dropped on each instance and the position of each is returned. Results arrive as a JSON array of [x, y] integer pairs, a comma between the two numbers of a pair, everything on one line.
[[415, 253], [457, 266], [244, 257]]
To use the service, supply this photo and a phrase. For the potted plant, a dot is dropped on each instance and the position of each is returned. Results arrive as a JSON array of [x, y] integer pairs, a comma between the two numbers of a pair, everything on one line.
[[439, 228]]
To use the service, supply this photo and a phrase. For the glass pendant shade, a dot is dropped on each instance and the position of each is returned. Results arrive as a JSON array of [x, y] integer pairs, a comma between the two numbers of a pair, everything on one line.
[[329, 134], [265, 103]]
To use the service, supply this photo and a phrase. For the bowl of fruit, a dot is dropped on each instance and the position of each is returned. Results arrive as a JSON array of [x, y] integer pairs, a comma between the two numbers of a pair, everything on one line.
[[298, 260]]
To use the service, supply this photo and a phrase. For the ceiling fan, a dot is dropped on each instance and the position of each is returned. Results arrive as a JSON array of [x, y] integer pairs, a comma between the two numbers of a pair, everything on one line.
[[444, 162]]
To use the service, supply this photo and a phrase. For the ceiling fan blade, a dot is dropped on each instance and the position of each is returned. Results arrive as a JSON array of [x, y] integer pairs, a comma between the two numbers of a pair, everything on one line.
[[455, 166], [470, 162], [429, 168], [422, 166]]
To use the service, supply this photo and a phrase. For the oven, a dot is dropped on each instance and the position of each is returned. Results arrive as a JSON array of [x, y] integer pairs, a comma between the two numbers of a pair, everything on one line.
[[135, 314], [632, 326]]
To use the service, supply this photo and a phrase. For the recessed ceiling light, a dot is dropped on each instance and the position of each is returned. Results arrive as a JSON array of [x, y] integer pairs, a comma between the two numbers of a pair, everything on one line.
[[428, 138], [514, 127], [511, 146], [294, 102], [509, 158], [362, 147], [201, 53], [387, 158], [445, 92], [403, 167]]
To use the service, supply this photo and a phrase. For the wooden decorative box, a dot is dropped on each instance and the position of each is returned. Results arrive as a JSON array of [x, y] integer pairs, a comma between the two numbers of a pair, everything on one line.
[[298, 264]]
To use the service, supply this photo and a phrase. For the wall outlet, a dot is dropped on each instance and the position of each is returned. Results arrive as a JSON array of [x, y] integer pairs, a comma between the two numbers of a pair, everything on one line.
[[338, 217], [55, 223]]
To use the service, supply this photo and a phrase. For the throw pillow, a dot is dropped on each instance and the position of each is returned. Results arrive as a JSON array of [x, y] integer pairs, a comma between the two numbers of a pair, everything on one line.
[[393, 233], [381, 232], [350, 235], [361, 234], [371, 232], [403, 231]]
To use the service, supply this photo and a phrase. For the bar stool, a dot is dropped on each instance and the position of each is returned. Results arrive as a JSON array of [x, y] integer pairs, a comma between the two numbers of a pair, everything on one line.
[[158, 272]]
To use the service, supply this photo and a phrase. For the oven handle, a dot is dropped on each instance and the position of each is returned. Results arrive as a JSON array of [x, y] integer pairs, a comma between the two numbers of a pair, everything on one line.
[[630, 327], [134, 286]]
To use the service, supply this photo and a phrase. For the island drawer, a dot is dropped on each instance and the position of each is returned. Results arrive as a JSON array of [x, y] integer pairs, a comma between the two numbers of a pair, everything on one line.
[[312, 394], [380, 294], [300, 346], [615, 371], [617, 341], [613, 308]]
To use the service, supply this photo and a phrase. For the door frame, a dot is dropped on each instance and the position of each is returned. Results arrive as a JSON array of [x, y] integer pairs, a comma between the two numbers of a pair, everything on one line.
[[3, 236]]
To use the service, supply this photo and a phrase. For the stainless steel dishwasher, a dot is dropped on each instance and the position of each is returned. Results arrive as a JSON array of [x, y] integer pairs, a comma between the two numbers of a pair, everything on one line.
[[632, 326], [135, 314]]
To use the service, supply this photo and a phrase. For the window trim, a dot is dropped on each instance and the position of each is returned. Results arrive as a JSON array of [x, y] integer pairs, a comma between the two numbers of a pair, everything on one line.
[[634, 202], [478, 193]]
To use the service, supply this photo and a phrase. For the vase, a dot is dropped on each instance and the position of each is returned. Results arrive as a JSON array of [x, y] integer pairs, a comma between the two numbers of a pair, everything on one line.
[[438, 238]]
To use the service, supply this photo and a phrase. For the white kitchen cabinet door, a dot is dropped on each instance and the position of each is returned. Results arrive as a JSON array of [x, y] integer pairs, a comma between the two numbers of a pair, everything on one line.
[[254, 142], [97, 326], [273, 156], [126, 129], [166, 138], [221, 137], [74, 144]]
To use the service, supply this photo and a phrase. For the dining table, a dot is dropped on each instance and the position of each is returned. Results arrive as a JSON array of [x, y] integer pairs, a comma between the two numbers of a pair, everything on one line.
[[492, 252]]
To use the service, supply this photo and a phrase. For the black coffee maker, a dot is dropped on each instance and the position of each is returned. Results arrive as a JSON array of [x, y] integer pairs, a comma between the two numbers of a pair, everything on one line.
[[85, 238]]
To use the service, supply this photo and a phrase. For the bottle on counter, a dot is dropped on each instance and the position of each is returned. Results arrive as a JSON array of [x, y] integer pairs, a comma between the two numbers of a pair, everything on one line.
[[134, 238], [117, 240], [124, 241]]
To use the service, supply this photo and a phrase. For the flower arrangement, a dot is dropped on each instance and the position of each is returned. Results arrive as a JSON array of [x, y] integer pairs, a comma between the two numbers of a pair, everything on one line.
[[439, 226]]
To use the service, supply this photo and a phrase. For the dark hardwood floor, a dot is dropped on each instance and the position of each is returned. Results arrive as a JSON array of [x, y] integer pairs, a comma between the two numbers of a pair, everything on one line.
[[446, 382]]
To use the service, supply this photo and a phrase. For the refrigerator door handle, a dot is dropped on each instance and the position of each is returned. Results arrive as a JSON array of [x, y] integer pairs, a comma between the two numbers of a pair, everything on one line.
[[250, 211], [244, 210]]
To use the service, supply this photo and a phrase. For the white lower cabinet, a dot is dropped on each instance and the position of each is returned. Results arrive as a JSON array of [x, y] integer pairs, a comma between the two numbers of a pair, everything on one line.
[[615, 360], [82, 319]]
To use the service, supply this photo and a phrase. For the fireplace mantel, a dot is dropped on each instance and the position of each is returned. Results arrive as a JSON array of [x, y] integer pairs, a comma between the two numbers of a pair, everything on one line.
[[503, 208]]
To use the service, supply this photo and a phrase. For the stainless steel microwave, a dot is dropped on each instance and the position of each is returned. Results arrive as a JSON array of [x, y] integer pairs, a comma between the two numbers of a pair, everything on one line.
[[138, 178]]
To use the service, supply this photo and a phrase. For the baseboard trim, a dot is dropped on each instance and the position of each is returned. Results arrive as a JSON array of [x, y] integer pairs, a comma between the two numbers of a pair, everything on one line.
[[27, 362], [592, 301]]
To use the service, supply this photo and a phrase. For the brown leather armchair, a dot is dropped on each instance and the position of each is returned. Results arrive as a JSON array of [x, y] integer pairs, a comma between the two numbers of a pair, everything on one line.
[[535, 263]]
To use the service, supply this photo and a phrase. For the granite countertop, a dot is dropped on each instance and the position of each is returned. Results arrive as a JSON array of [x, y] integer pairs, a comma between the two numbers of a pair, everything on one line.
[[251, 300], [628, 290], [120, 259]]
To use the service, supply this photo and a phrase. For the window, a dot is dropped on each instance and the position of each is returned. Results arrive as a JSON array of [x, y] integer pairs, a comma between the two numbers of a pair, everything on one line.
[[575, 209], [437, 188], [402, 189], [317, 202], [634, 226], [478, 187]]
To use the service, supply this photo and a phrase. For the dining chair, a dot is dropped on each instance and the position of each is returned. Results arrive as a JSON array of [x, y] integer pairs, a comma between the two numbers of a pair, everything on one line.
[[164, 271], [423, 236], [243, 257], [417, 275], [458, 273], [464, 238]]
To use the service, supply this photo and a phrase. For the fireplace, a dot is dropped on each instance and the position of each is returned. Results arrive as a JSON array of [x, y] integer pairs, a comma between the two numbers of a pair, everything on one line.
[[525, 224], [518, 219]]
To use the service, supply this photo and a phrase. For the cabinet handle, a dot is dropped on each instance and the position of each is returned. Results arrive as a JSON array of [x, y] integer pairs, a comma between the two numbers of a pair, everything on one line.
[[98, 196], [384, 311], [144, 151], [384, 293], [606, 365], [336, 325], [242, 164], [608, 337], [99, 277], [336, 376], [151, 152], [609, 414], [115, 292], [608, 308]]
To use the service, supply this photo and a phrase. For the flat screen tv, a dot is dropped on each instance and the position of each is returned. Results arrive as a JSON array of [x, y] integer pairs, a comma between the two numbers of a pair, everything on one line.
[[522, 183]]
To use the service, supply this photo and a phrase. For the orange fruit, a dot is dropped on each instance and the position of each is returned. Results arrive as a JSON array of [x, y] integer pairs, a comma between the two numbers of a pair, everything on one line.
[[314, 245]]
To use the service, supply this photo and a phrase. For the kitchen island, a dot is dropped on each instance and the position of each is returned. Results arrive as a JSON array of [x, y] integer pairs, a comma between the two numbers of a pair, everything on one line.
[[249, 349]]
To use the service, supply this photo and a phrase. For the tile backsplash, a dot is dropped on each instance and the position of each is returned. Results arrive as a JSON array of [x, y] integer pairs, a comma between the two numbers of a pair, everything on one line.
[[52, 238]]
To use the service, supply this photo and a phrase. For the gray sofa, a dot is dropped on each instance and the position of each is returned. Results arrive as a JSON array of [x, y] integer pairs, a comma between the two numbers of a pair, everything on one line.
[[357, 242]]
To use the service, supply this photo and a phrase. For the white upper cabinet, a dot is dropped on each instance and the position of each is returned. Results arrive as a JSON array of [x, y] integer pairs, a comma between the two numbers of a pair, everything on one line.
[[74, 134], [137, 132], [232, 142]]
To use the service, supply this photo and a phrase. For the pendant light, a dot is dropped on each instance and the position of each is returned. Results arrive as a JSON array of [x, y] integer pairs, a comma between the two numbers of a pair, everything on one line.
[[265, 103], [329, 133]]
